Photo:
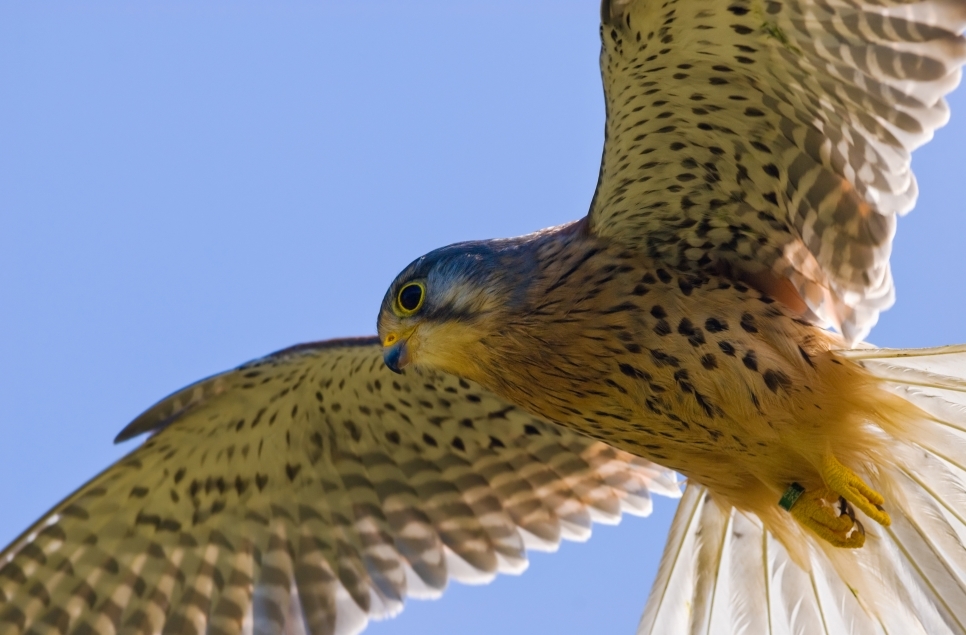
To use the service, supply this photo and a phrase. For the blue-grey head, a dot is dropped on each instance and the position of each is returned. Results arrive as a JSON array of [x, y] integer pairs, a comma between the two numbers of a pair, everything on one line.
[[440, 310]]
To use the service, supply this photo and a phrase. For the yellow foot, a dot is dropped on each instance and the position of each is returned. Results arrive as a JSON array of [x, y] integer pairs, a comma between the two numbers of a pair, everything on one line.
[[844, 481], [830, 516]]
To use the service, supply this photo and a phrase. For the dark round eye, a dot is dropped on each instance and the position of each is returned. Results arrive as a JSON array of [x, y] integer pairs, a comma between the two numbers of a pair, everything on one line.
[[411, 297]]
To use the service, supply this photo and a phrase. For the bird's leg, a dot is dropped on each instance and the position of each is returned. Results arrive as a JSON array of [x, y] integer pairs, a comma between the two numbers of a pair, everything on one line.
[[828, 511]]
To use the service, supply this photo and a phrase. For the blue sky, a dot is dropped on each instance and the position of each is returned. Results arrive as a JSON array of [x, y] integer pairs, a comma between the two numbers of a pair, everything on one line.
[[186, 186]]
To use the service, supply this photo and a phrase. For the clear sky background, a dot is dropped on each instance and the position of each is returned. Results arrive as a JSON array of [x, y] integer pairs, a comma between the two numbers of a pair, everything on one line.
[[185, 186]]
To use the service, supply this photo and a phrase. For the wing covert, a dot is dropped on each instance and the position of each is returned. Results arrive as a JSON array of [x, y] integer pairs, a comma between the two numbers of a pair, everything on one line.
[[774, 138], [310, 491]]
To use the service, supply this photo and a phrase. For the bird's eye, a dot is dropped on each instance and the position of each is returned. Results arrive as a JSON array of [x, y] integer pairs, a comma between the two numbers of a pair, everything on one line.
[[411, 297]]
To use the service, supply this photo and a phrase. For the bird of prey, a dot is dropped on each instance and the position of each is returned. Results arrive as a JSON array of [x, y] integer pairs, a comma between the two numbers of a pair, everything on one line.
[[755, 160]]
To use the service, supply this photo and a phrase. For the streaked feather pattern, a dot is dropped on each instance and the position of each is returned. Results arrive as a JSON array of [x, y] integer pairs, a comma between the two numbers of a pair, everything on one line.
[[308, 492]]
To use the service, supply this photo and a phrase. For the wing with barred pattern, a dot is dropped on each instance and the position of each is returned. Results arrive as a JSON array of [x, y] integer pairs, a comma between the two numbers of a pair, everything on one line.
[[308, 492], [773, 137]]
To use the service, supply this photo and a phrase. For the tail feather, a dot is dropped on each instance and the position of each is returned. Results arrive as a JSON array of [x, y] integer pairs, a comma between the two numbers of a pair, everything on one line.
[[724, 571], [715, 527], [933, 554], [752, 609], [669, 608]]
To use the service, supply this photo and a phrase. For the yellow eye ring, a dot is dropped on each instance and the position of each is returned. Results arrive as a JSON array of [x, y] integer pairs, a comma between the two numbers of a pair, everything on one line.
[[410, 298]]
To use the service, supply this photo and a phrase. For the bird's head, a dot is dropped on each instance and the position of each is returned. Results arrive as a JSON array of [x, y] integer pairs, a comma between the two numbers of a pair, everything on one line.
[[439, 311]]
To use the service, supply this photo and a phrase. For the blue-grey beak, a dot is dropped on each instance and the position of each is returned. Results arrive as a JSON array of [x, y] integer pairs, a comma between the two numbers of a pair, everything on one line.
[[396, 356]]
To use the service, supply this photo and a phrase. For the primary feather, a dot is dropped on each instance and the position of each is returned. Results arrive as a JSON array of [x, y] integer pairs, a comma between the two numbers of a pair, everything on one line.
[[310, 491], [774, 138]]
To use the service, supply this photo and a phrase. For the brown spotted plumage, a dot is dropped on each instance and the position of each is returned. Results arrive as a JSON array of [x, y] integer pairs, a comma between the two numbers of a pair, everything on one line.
[[310, 491], [756, 157], [773, 138]]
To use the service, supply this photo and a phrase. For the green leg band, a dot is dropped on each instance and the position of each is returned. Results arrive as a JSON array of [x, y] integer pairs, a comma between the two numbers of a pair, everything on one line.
[[791, 496]]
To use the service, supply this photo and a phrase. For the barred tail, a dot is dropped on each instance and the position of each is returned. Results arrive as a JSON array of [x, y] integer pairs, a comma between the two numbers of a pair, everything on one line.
[[724, 572]]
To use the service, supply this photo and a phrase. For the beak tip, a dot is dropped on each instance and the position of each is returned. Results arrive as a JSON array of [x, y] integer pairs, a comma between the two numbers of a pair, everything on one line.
[[393, 357]]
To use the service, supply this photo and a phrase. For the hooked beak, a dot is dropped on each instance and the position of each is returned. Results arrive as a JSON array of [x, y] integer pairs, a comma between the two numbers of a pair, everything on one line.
[[396, 354]]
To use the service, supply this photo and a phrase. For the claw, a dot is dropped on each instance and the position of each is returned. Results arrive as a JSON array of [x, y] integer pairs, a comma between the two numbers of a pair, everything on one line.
[[843, 481], [817, 511], [829, 512]]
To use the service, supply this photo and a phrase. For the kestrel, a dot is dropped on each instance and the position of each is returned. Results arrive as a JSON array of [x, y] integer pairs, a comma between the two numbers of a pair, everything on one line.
[[756, 157]]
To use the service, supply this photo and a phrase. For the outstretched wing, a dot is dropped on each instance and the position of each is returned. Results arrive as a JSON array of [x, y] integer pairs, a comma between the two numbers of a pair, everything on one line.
[[773, 137], [307, 492]]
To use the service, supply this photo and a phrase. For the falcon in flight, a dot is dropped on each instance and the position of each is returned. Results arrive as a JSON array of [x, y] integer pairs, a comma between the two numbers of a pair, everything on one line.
[[756, 156]]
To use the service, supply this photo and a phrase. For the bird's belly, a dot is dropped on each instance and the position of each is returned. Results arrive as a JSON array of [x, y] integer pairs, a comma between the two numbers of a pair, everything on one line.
[[695, 372]]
